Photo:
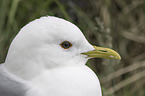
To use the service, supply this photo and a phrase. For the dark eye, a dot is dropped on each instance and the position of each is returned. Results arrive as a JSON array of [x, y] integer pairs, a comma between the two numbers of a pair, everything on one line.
[[65, 44]]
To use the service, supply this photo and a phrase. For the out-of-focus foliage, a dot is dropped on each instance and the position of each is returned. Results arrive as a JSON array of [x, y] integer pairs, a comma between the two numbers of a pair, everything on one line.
[[118, 24]]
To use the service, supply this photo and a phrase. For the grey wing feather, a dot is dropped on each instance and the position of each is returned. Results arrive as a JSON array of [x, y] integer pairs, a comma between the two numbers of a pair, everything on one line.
[[11, 87]]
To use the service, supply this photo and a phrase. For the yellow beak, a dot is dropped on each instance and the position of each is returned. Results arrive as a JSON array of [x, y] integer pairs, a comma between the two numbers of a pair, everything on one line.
[[101, 52]]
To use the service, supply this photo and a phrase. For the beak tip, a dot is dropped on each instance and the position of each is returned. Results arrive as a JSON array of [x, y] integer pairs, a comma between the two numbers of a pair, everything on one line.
[[118, 57], [114, 57]]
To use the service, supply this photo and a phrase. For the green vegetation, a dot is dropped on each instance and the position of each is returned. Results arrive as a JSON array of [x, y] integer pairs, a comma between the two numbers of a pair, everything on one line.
[[118, 24]]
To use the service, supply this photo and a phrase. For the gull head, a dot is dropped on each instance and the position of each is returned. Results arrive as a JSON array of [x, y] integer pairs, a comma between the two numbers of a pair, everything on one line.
[[50, 42]]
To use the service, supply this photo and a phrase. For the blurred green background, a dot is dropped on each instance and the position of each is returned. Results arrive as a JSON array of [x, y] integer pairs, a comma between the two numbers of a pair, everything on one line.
[[117, 24]]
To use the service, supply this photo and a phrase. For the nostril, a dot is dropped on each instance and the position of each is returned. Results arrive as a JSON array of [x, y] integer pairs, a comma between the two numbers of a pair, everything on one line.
[[103, 50]]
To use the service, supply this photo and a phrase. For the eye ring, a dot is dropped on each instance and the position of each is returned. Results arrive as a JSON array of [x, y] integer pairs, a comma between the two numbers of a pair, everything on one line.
[[66, 44]]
